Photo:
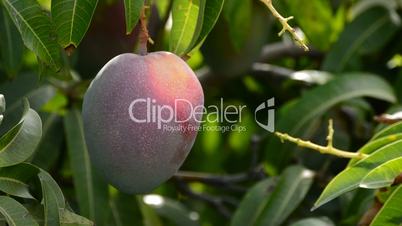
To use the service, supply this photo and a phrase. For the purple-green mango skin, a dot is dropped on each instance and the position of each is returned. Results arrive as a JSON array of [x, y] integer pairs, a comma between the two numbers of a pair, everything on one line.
[[138, 157]]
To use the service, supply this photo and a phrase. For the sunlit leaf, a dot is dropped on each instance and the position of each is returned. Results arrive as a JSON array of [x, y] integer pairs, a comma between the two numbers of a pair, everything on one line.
[[374, 145], [389, 130], [351, 177], [391, 213], [383, 175], [185, 16]]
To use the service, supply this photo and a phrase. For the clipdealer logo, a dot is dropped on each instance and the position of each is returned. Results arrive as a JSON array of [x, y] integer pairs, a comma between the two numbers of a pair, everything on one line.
[[166, 116]]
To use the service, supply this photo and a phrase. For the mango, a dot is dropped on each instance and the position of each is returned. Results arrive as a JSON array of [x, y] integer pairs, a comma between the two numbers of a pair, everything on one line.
[[141, 115]]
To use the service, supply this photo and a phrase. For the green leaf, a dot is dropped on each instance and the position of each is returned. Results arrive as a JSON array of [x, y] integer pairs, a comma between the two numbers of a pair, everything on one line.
[[366, 34], [317, 101], [11, 45], [72, 19], [293, 185], [91, 190], [314, 222], [383, 175], [53, 199], [15, 213], [37, 96], [351, 177], [18, 144], [35, 28], [389, 130], [185, 15], [375, 145], [391, 213], [132, 12], [172, 210], [238, 14], [14, 180], [68, 218], [210, 17], [253, 203]]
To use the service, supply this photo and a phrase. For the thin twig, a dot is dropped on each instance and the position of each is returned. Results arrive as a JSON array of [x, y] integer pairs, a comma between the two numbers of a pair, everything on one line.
[[285, 25], [329, 149], [216, 202]]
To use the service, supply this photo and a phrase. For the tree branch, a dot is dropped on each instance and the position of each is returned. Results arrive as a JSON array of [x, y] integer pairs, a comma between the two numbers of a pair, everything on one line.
[[216, 202], [329, 149], [285, 25]]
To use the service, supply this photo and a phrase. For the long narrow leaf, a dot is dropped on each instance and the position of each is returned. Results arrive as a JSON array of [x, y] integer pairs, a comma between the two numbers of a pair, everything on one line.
[[391, 213], [53, 199], [383, 175], [211, 14], [185, 17], [253, 203], [293, 185], [317, 101], [367, 33], [351, 177], [132, 13], [19, 143], [35, 28], [91, 191], [15, 213], [11, 44], [72, 19], [14, 179]]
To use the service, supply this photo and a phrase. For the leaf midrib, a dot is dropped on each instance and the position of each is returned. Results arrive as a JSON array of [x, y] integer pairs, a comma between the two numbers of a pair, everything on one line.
[[30, 28], [184, 25], [88, 169], [72, 21]]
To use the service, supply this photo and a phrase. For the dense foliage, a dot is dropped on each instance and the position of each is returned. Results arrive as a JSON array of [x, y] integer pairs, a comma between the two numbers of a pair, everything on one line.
[[51, 50]]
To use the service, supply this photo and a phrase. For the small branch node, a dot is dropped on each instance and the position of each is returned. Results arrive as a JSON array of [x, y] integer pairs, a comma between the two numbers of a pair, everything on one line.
[[285, 25], [329, 149]]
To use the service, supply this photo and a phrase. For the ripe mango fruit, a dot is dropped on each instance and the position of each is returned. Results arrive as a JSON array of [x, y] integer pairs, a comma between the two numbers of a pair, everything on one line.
[[140, 120]]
